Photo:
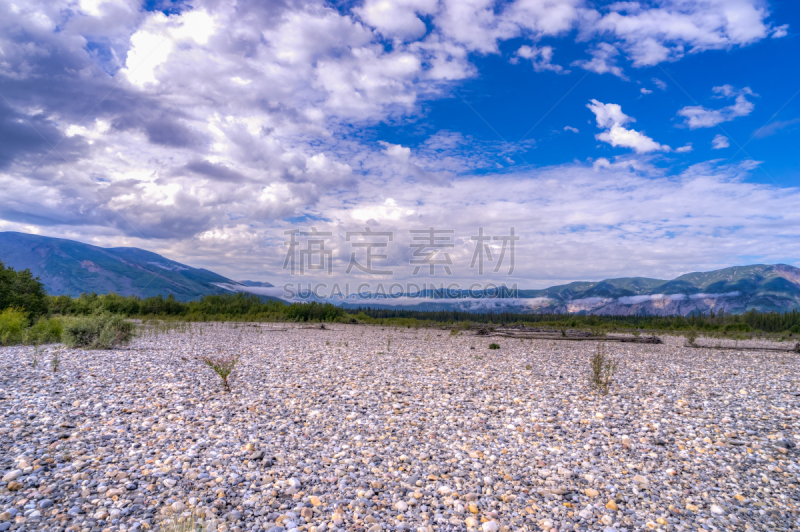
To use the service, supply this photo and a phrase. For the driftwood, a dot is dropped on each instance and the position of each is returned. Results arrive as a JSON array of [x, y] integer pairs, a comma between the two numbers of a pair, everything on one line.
[[578, 336], [745, 348]]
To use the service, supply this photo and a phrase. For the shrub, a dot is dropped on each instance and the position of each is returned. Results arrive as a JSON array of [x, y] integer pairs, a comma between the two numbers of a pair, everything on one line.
[[12, 326], [691, 338], [738, 327], [494, 346], [98, 331], [44, 331], [602, 370]]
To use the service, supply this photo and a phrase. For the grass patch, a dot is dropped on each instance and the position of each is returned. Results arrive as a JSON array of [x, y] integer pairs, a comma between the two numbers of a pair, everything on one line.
[[494, 346]]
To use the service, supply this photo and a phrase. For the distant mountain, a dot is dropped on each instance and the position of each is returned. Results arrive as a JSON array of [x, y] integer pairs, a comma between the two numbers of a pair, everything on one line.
[[256, 284], [69, 267], [760, 287]]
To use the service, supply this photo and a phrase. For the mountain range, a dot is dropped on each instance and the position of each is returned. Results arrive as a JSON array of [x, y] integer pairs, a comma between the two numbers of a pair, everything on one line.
[[70, 267]]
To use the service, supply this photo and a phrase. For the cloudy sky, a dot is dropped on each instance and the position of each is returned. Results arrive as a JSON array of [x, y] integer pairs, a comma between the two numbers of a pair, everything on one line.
[[648, 138]]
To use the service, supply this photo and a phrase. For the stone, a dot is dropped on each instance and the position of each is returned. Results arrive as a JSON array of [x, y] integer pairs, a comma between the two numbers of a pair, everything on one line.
[[592, 492], [490, 526], [12, 475]]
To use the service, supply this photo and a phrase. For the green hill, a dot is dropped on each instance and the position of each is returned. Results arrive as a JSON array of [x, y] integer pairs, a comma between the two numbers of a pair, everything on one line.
[[69, 267]]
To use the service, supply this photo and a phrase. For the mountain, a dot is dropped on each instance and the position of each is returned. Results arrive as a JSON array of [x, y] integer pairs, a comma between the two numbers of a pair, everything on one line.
[[256, 284], [69, 267], [760, 287]]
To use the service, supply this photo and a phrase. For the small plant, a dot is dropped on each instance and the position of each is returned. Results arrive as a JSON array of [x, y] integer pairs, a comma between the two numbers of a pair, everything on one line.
[[55, 360], [691, 338], [36, 352], [603, 369], [192, 523], [222, 364], [563, 333], [494, 346], [797, 347]]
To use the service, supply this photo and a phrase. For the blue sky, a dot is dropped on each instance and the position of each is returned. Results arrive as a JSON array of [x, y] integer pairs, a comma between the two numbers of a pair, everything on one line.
[[505, 100], [648, 138]]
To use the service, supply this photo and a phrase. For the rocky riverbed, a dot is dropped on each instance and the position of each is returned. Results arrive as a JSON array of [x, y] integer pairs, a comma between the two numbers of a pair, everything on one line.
[[369, 428]]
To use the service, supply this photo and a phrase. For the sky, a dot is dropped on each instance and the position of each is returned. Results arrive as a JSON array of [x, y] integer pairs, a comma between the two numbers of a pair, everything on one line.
[[615, 139]]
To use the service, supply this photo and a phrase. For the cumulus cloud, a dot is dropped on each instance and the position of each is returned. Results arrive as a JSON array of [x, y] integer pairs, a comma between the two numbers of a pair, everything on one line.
[[645, 91], [684, 149], [719, 142], [780, 31], [697, 116], [540, 58], [570, 128], [672, 28], [610, 117], [603, 60]]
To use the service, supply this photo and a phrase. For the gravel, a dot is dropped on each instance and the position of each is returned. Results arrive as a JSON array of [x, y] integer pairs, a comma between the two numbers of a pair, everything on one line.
[[363, 428]]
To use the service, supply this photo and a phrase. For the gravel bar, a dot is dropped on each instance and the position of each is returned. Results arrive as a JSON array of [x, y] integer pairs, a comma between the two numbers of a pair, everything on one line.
[[369, 428]]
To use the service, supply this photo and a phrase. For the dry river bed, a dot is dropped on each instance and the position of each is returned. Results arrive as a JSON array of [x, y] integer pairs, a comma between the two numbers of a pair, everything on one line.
[[357, 428]]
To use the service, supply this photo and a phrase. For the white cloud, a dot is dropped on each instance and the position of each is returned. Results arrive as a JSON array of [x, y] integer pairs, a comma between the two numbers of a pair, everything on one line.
[[570, 128], [541, 58], [611, 118], [697, 116], [660, 84], [396, 18], [645, 91], [684, 149], [672, 28], [250, 120], [719, 142], [603, 60], [780, 31]]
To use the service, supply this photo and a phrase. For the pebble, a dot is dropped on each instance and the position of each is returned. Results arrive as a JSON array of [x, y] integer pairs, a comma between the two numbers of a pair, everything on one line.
[[381, 428]]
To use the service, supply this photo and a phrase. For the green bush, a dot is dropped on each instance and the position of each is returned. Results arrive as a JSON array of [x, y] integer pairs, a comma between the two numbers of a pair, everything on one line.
[[12, 326], [44, 331], [98, 331], [738, 327], [494, 346]]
